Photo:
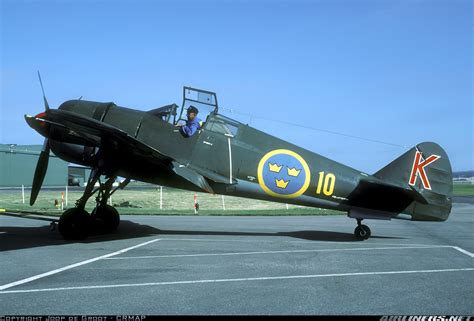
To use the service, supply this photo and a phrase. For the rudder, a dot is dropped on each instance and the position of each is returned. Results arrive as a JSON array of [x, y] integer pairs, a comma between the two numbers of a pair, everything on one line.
[[426, 170]]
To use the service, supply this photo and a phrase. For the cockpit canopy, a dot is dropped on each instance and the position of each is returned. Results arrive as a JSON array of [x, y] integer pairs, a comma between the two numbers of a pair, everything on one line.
[[204, 101]]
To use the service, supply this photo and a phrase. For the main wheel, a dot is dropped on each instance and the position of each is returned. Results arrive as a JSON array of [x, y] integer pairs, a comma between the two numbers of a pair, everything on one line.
[[74, 224], [106, 217], [362, 232]]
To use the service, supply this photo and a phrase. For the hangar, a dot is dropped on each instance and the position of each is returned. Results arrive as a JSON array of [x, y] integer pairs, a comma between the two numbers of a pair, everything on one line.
[[18, 163]]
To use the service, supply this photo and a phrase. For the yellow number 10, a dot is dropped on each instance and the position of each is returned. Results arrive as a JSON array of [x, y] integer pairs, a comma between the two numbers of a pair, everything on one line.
[[329, 181]]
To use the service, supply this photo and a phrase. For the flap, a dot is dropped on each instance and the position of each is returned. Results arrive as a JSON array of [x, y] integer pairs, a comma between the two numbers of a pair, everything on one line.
[[191, 176]]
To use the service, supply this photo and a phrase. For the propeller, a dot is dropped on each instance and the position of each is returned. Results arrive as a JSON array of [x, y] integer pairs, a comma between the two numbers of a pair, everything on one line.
[[40, 171], [46, 105], [43, 159]]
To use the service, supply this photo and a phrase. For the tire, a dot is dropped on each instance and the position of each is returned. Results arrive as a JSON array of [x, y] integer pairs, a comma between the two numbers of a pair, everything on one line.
[[74, 224], [106, 218], [362, 232]]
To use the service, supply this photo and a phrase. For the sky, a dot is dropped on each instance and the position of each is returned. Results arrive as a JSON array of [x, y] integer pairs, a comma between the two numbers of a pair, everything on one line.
[[399, 72]]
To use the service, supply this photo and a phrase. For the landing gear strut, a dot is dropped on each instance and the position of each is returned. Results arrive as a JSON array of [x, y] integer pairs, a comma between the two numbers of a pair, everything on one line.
[[106, 219], [76, 223], [361, 232]]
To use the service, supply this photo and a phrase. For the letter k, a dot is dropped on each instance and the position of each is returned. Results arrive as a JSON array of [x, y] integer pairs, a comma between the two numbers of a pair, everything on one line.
[[419, 168]]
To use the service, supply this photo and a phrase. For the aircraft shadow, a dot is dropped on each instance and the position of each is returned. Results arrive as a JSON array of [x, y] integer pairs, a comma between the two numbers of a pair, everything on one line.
[[15, 237], [305, 235]]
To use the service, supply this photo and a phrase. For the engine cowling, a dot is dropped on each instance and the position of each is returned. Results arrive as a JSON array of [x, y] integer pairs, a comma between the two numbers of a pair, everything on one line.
[[74, 153]]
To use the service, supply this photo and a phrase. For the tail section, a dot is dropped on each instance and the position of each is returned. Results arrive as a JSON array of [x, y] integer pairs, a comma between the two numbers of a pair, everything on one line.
[[426, 170]]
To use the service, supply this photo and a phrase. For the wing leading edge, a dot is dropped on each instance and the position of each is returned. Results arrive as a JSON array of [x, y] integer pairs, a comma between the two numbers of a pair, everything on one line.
[[73, 128]]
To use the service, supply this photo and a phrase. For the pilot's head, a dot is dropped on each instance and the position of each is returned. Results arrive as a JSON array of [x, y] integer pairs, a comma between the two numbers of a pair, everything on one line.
[[192, 112]]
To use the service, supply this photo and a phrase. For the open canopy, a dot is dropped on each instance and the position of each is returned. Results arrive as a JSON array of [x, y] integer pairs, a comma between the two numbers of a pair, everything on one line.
[[205, 101]]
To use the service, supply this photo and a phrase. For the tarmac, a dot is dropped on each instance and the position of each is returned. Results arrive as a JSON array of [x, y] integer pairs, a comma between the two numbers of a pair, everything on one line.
[[241, 265]]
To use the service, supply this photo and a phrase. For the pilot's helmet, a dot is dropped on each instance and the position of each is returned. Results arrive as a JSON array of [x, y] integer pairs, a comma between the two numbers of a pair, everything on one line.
[[193, 109]]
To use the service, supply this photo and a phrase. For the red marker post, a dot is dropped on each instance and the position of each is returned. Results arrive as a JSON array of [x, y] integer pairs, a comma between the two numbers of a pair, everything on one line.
[[196, 204]]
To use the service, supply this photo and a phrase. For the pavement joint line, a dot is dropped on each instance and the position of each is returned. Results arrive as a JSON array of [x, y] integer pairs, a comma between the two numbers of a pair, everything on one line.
[[313, 276], [68, 267], [274, 252]]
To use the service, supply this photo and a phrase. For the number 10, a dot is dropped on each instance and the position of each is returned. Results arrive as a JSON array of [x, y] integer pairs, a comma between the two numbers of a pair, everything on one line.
[[329, 181]]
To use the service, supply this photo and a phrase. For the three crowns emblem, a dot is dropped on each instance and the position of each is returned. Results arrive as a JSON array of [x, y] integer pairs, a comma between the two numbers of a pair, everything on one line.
[[293, 171], [274, 167], [281, 183]]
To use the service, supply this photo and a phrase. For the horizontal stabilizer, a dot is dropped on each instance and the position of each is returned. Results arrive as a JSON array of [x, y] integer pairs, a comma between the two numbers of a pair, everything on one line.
[[375, 194]]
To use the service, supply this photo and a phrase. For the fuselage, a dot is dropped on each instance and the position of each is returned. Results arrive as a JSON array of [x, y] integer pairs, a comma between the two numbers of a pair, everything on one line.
[[257, 165]]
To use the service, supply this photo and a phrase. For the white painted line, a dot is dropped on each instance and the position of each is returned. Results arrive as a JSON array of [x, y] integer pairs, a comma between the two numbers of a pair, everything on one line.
[[405, 245], [92, 287], [275, 252], [39, 276], [463, 251], [280, 241]]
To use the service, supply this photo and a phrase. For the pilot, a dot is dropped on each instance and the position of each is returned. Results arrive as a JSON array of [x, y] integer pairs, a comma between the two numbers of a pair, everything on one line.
[[193, 124]]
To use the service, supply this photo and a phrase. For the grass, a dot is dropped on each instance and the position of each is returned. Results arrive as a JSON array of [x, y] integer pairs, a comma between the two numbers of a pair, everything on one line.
[[175, 202], [463, 189], [147, 202]]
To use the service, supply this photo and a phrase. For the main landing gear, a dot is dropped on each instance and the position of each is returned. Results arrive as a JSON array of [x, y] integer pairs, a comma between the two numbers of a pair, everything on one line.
[[76, 223], [362, 232]]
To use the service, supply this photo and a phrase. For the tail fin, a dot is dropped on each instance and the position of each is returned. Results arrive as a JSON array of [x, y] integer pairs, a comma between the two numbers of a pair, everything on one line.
[[426, 170]]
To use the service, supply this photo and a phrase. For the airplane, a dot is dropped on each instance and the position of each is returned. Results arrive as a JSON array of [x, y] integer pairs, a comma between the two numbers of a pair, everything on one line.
[[225, 157]]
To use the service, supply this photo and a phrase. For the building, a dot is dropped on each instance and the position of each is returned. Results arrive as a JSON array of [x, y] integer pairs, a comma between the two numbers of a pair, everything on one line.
[[78, 175], [18, 164]]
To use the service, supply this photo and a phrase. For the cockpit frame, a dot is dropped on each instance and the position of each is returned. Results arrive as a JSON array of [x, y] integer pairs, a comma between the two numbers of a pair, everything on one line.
[[202, 98]]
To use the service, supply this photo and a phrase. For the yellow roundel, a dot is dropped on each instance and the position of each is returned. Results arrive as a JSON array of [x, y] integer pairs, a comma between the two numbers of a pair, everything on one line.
[[283, 173]]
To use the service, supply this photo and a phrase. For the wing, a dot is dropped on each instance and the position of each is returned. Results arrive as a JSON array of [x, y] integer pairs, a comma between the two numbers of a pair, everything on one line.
[[30, 215], [73, 128]]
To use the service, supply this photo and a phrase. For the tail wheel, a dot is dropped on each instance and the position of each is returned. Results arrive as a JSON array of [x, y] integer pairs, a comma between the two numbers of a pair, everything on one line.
[[362, 232], [74, 224], [106, 218]]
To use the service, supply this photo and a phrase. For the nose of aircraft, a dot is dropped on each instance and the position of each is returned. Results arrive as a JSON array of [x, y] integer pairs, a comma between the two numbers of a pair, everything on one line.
[[38, 123], [41, 115]]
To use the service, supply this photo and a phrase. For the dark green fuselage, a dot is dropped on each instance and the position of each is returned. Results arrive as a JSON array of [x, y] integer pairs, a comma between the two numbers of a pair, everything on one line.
[[224, 148]]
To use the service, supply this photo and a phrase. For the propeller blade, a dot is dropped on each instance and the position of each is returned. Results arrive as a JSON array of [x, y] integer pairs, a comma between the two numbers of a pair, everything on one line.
[[40, 172], [46, 105]]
